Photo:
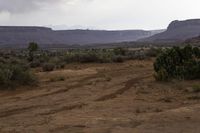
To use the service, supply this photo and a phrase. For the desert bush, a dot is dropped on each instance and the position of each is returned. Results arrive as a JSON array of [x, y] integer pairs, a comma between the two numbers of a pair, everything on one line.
[[105, 57], [88, 57], [161, 75], [136, 55], [120, 51], [35, 63], [44, 58], [102, 55], [12, 75], [48, 67], [71, 57], [153, 52], [60, 65], [140, 55], [119, 59], [58, 62], [131, 55], [178, 63], [32, 48]]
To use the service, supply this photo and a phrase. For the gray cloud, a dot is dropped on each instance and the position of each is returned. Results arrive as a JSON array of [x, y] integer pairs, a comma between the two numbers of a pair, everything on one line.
[[19, 6], [101, 14]]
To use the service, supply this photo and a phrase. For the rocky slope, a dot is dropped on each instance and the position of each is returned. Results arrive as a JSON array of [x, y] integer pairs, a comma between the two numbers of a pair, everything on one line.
[[177, 31], [46, 37]]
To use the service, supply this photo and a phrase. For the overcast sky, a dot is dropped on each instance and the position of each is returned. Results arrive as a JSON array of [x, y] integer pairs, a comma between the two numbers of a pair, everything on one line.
[[98, 14]]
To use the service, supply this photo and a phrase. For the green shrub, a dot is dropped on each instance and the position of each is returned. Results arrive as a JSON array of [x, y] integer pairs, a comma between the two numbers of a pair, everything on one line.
[[60, 65], [88, 57], [161, 75], [35, 63], [58, 62], [105, 57], [48, 67], [139, 54], [179, 63], [32, 48], [120, 51], [71, 57], [15, 75]]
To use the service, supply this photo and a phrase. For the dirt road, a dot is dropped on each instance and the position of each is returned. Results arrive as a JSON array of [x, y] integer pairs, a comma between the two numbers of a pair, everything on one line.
[[101, 98]]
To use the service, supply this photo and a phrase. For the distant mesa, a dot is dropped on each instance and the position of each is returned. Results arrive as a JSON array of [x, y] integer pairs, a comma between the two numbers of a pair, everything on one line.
[[20, 36], [177, 31]]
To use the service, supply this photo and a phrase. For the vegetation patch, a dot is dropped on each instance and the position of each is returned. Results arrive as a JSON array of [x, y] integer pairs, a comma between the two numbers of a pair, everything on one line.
[[16, 65], [178, 63], [47, 67], [12, 75]]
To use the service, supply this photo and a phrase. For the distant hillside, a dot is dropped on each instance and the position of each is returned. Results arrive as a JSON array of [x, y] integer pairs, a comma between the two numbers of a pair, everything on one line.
[[20, 36], [194, 40], [177, 31]]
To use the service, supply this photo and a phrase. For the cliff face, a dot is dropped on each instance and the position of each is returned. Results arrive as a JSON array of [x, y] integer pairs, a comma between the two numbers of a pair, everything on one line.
[[21, 36], [177, 31], [175, 25]]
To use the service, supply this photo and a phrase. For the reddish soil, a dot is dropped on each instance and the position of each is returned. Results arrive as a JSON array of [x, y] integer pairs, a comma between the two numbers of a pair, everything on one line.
[[102, 98]]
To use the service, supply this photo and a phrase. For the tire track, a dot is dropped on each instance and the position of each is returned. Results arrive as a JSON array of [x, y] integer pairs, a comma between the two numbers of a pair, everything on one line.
[[64, 108], [127, 86], [16, 111], [81, 82]]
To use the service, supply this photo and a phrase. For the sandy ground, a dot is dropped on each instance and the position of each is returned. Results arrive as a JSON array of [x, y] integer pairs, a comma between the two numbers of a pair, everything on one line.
[[102, 98]]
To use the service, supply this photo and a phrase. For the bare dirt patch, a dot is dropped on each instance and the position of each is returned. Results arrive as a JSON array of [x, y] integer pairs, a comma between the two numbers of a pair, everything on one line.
[[102, 98]]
